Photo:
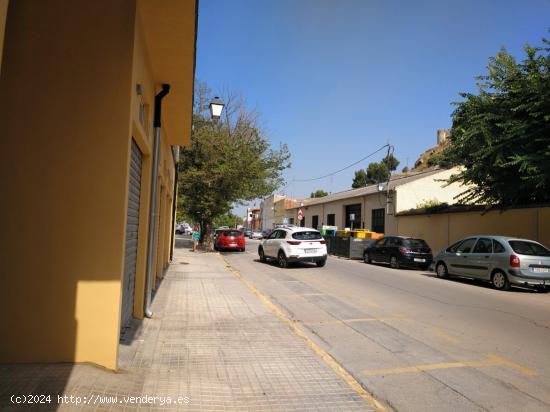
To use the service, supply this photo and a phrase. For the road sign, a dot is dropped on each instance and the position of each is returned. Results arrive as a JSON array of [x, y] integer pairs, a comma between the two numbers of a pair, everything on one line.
[[300, 214]]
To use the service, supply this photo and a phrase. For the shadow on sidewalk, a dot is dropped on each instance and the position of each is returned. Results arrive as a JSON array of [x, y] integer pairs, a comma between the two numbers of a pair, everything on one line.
[[46, 382]]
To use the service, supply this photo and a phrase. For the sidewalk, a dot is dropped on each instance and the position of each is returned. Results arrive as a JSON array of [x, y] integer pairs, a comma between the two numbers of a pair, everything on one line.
[[211, 345]]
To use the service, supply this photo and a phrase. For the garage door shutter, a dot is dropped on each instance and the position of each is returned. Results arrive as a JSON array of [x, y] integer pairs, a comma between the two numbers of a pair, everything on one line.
[[132, 226]]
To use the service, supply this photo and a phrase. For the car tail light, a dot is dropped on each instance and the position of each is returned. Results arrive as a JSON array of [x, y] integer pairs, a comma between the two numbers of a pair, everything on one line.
[[404, 250], [293, 242], [514, 261], [322, 242]]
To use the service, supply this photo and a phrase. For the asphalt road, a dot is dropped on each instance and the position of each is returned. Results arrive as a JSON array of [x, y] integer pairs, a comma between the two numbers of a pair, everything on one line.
[[417, 342]]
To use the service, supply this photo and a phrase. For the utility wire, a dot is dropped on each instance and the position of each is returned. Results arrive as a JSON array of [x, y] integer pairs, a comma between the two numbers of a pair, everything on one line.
[[347, 167]]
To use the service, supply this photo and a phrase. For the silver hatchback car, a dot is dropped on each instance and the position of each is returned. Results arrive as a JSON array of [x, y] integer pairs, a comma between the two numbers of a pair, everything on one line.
[[503, 261]]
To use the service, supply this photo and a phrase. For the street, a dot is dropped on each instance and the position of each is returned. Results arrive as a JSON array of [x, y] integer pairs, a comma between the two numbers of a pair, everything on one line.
[[415, 341]]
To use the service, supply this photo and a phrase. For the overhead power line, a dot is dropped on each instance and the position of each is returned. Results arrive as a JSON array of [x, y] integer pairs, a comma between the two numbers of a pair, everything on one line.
[[344, 168]]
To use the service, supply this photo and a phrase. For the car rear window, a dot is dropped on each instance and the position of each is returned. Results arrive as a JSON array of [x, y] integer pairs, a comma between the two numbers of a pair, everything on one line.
[[415, 243], [312, 235], [232, 233], [528, 248]]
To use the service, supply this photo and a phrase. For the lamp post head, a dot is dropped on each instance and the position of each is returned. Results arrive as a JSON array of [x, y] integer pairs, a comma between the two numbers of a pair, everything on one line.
[[216, 107]]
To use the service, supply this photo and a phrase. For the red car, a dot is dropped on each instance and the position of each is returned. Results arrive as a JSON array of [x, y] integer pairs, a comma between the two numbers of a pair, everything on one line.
[[230, 239]]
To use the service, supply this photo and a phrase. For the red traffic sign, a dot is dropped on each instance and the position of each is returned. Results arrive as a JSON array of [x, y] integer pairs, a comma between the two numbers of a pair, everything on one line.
[[300, 214]]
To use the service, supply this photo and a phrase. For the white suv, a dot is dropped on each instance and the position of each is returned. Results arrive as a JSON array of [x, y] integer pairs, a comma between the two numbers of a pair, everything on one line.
[[294, 244]]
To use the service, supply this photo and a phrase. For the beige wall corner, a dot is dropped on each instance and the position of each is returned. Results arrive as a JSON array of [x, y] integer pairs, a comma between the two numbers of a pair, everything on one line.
[[433, 187]]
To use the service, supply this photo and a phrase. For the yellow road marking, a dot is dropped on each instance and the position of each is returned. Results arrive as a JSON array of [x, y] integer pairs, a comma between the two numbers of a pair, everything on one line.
[[446, 336], [345, 375], [337, 321], [491, 360], [521, 369]]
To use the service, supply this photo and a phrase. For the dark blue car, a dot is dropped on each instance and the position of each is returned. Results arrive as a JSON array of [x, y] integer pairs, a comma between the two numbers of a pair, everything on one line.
[[398, 251]]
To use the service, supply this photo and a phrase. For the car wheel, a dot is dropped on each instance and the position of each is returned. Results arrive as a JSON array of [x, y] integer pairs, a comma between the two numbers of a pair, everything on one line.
[[500, 281], [441, 270], [262, 255], [367, 258], [243, 249], [394, 263], [281, 259], [544, 289], [321, 263]]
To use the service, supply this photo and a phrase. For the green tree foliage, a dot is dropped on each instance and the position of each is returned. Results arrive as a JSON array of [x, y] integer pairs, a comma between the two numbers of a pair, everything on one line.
[[391, 162], [501, 135], [229, 161], [376, 172], [319, 193], [360, 179], [227, 219]]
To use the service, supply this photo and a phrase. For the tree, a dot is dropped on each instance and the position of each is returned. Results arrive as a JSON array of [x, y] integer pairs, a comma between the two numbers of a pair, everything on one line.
[[229, 161], [501, 135], [319, 193], [375, 172], [405, 169], [391, 162], [360, 179], [227, 219]]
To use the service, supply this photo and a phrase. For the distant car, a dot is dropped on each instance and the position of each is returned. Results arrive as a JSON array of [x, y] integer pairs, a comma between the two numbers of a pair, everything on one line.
[[503, 261], [266, 233], [230, 239], [183, 229], [399, 251], [296, 244], [256, 235], [247, 232]]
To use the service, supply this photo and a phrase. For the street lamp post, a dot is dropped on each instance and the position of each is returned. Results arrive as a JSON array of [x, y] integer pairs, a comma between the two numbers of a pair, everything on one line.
[[216, 107]]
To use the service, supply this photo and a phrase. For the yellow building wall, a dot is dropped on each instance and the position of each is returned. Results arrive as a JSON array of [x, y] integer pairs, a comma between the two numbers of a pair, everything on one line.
[[441, 230], [65, 146], [69, 110], [3, 13]]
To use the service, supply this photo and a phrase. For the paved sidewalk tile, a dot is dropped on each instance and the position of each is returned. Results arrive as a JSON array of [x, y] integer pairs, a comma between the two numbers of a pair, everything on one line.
[[211, 346]]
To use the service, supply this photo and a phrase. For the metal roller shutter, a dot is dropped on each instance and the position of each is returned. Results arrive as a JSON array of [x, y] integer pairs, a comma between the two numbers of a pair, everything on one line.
[[132, 226]]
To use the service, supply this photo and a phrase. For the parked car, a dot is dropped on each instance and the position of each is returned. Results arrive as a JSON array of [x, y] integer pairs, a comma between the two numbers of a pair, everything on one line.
[[256, 235], [230, 239], [183, 229], [266, 233], [247, 232], [399, 251], [503, 261], [296, 244]]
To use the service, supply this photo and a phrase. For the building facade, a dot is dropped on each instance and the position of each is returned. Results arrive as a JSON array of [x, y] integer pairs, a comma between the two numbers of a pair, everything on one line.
[[374, 207], [273, 210], [78, 85], [253, 219]]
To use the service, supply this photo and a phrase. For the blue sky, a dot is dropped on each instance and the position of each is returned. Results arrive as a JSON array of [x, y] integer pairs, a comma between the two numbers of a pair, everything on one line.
[[337, 79]]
